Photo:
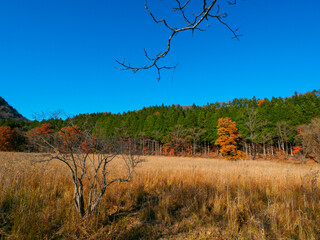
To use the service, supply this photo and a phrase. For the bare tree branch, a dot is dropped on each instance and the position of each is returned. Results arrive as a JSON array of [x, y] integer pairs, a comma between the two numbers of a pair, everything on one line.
[[191, 24], [88, 157]]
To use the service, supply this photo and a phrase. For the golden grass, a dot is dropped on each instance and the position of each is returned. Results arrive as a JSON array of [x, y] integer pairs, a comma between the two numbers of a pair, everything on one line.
[[169, 198]]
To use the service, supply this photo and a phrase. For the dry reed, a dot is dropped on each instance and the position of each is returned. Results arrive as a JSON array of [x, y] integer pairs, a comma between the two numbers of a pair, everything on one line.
[[169, 198]]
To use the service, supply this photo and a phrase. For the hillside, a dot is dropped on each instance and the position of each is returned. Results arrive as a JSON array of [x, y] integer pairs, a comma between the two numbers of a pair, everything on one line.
[[178, 130], [7, 112]]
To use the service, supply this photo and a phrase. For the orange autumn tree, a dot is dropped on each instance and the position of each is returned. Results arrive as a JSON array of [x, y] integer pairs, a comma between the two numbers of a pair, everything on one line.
[[261, 101], [70, 133], [70, 136], [45, 128], [228, 139], [88, 145], [75, 137], [7, 139], [42, 134]]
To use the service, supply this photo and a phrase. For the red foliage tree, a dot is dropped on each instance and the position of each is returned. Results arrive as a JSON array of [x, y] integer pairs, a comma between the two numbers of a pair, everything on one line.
[[45, 128], [260, 102], [40, 134], [296, 150], [89, 144], [307, 94], [70, 136], [7, 139]]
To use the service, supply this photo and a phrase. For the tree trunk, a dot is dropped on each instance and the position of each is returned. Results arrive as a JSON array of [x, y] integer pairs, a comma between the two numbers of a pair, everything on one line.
[[78, 200], [246, 147], [254, 152]]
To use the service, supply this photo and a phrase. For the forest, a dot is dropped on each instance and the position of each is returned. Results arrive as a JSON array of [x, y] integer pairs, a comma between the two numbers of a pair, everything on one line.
[[267, 127], [93, 176]]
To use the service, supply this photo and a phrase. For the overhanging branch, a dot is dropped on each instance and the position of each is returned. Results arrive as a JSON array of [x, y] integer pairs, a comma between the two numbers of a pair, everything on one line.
[[191, 24]]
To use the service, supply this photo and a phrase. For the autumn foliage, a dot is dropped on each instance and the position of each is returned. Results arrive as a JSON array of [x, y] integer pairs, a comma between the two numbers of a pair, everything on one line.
[[88, 144], [261, 101], [70, 137], [66, 138], [228, 139], [7, 139], [73, 136], [42, 130], [70, 134], [307, 94], [309, 136], [296, 150]]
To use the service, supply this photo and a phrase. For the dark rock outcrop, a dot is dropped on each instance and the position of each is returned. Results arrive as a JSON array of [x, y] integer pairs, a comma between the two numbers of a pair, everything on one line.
[[9, 113]]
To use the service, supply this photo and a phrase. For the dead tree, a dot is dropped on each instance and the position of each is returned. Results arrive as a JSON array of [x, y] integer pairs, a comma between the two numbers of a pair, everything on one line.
[[195, 135], [88, 157], [284, 131], [252, 125], [192, 22], [265, 138], [178, 138], [309, 136]]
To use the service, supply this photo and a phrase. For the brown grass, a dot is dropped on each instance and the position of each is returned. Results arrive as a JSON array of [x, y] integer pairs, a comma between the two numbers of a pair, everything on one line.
[[169, 198]]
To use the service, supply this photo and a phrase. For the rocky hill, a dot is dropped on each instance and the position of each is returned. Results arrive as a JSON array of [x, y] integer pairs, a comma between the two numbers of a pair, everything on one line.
[[9, 113]]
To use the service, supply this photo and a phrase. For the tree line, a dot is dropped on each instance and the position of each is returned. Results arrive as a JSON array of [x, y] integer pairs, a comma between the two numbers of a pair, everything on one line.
[[267, 127]]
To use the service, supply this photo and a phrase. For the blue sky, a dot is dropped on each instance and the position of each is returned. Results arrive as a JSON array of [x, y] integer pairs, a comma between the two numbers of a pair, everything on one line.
[[59, 54]]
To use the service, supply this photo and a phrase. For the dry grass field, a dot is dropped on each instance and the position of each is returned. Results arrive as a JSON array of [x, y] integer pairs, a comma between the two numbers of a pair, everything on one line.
[[169, 198]]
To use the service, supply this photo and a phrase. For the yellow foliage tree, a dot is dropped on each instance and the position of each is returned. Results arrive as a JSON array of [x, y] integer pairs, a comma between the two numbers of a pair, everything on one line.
[[228, 139]]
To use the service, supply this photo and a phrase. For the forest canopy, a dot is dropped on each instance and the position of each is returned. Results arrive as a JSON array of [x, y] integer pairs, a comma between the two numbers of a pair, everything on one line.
[[264, 124]]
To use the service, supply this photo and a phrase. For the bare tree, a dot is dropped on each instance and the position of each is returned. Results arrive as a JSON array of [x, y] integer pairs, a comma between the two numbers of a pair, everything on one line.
[[265, 138], [157, 138], [88, 157], [195, 134], [178, 132], [253, 125], [310, 138], [192, 22], [284, 132], [178, 138]]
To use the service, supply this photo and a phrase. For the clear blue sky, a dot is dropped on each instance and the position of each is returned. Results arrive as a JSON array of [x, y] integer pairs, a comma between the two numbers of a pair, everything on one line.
[[59, 54]]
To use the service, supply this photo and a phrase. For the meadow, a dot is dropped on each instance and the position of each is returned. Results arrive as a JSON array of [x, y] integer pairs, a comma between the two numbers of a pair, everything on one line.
[[168, 198]]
